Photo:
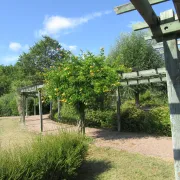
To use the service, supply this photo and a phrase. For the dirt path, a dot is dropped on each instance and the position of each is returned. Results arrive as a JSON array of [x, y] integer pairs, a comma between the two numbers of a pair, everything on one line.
[[132, 142]]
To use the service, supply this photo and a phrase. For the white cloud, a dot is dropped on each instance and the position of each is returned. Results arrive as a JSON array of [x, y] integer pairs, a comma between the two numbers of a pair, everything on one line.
[[53, 25], [15, 46], [69, 47], [10, 59]]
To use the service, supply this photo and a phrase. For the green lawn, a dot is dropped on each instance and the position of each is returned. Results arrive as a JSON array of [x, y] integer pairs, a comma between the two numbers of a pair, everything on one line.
[[101, 163], [109, 164]]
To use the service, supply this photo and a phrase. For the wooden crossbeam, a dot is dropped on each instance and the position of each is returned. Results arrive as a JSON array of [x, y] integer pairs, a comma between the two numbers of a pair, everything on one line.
[[177, 7], [142, 81], [130, 7], [145, 73], [30, 89], [160, 45], [143, 25]]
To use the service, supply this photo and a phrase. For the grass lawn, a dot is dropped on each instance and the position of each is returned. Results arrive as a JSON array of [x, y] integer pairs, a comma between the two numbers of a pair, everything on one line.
[[101, 163], [106, 163]]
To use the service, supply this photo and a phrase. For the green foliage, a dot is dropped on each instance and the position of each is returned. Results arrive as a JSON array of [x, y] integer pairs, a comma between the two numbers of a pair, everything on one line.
[[49, 157], [133, 51], [81, 80], [45, 53], [103, 119], [155, 120], [8, 106]]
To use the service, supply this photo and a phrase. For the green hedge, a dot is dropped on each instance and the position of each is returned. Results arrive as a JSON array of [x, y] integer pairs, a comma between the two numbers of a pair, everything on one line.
[[8, 105], [155, 121], [50, 157], [94, 118]]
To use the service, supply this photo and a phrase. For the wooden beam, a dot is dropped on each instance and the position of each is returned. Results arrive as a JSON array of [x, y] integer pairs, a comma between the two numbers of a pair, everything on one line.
[[118, 110], [40, 110], [146, 11], [34, 105], [130, 82], [145, 73], [31, 88], [172, 62], [26, 106], [177, 7], [143, 25], [130, 7], [160, 45], [23, 108]]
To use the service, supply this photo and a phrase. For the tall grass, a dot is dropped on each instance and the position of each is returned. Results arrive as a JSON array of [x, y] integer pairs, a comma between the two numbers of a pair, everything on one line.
[[48, 157]]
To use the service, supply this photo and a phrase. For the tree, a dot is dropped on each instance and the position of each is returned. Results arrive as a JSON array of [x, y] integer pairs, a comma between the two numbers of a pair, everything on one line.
[[132, 51], [45, 53], [80, 81]]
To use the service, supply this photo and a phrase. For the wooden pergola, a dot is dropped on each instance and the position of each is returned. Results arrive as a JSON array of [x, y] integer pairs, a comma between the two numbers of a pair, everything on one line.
[[166, 29]]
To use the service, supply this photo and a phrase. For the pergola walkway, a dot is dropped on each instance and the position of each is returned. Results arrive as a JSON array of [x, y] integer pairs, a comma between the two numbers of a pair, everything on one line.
[[132, 142]]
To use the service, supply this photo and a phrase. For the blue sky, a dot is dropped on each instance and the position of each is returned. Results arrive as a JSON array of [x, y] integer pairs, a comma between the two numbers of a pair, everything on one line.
[[86, 25]]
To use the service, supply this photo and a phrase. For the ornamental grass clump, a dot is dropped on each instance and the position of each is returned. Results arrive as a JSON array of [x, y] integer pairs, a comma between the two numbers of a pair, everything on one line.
[[48, 157]]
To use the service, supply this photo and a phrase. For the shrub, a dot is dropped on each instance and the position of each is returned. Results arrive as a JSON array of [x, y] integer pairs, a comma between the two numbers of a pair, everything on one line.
[[104, 119], [8, 105], [154, 121], [49, 157]]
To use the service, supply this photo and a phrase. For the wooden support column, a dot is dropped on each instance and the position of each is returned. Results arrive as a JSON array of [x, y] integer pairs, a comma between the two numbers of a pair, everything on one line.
[[35, 106], [172, 61], [26, 106], [59, 106], [118, 110], [23, 108], [51, 110], [40, 110]]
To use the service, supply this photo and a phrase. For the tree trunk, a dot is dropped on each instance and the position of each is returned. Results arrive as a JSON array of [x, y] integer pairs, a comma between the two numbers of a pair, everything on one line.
[[81, 110], [137, 99]]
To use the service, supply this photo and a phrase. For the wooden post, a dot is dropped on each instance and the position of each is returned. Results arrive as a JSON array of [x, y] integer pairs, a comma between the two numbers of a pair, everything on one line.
[[26, 106], [118, 110], [51, 110], [40, 110], [172, 62], [23, 108], [35, 106], [58, 101]]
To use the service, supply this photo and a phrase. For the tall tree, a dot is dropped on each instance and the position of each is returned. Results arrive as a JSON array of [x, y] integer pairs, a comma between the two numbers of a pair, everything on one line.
[[132, 51], [45, 53], [80, 81]]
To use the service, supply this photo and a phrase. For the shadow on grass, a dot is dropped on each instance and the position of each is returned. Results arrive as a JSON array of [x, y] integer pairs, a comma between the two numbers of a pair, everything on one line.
[[91, 169]]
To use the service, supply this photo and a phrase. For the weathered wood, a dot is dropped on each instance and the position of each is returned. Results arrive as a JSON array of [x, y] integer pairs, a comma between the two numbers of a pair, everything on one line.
[[143, 25], [172, 62], [29, 89], [145, 73], [23, 108], [130, 82], [160, 45], [118, 110], [177, 7], [40, 110], [51, 109], [34, 106], [26, 106], [130, 7], [146, 11]]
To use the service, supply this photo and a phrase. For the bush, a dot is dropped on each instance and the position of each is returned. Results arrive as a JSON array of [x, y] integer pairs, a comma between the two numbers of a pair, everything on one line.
[[8, 105], [68, 114], [104, 119], [155, 120], [49, 157]]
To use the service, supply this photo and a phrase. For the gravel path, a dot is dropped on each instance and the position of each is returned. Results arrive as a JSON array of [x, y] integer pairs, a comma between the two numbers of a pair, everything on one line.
[[132, 142]]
